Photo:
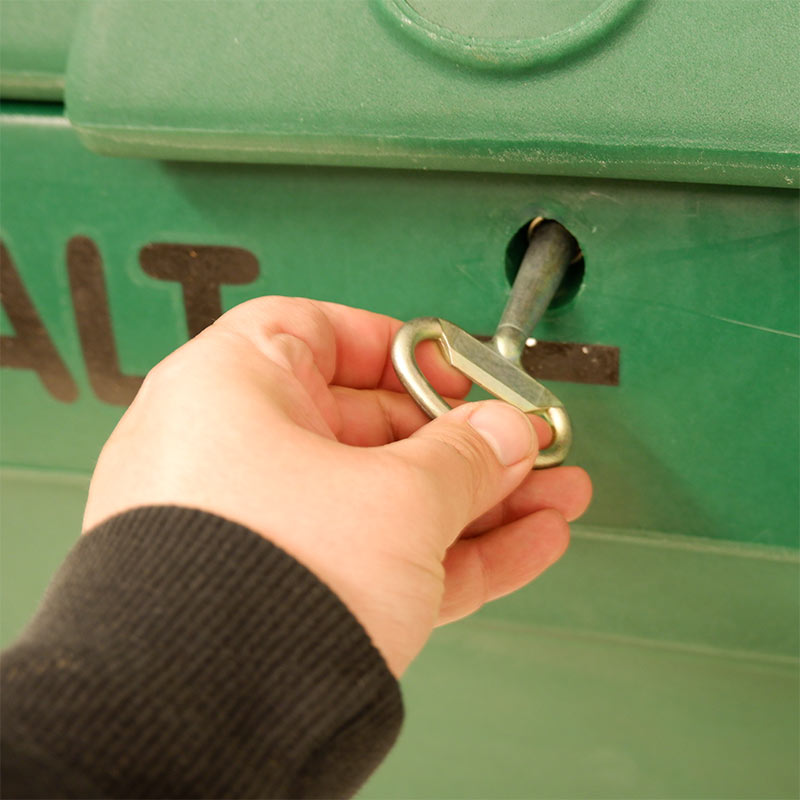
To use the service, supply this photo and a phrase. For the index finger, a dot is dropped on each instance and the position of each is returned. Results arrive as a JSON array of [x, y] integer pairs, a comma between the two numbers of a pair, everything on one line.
[[351, 346]]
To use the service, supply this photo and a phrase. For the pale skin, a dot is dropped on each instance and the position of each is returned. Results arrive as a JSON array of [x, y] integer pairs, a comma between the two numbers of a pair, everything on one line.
[[286, 416]]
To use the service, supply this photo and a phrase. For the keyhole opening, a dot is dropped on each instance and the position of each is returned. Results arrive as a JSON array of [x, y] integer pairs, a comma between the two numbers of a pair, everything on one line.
[[571, 284]]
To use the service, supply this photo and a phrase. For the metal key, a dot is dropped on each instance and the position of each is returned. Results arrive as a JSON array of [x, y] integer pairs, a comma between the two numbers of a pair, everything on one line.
[[496, 365]]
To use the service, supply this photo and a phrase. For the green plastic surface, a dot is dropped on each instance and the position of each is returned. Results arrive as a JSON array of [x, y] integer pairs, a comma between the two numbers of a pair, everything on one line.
[[35, 36], [682, 90], [659, 659], [506, 711]]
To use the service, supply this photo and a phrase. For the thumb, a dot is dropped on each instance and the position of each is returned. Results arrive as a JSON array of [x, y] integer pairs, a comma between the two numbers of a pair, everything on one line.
[[472, 457]]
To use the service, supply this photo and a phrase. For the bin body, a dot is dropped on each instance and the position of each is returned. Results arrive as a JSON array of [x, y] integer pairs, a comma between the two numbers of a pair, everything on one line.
[[659, 658]]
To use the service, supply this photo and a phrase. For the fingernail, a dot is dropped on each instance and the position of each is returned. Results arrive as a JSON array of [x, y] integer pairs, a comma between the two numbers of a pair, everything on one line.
[[506, 430]]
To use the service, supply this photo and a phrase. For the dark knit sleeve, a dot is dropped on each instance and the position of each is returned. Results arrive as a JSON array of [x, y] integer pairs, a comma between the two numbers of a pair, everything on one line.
[[179, 655]]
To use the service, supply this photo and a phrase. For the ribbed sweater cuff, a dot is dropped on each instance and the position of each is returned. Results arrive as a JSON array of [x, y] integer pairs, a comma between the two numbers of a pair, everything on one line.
[[178, 654]]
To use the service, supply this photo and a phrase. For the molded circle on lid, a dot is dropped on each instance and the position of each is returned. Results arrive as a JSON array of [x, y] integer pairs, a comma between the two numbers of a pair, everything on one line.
[[507, 34]]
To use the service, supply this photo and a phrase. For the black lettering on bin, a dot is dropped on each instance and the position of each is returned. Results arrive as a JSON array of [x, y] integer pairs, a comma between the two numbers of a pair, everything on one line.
[[93, 317], [573, 362], [201, 271], [31, 347]]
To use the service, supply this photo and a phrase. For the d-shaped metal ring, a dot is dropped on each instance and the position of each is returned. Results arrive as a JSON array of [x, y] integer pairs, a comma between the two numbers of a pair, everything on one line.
[[483, 365]]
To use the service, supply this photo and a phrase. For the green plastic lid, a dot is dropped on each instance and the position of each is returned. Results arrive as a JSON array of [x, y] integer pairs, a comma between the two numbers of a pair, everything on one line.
[[688, 90]]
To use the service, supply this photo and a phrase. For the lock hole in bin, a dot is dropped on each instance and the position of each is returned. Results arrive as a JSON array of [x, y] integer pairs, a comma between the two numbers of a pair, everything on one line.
[[570, 285]]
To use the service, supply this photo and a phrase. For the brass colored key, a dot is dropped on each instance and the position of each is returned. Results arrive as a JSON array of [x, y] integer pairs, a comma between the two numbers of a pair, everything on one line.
[[496, 365]]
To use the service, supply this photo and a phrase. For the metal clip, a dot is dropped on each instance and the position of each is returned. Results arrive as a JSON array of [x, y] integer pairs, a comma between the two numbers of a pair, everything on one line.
[[496, 365]]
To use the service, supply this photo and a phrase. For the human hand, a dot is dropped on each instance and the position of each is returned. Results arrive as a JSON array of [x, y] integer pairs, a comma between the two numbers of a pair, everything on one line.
[[286, 416]]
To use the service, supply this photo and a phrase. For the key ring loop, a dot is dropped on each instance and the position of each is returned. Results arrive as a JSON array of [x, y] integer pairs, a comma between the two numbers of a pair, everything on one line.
[[505, 380]]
